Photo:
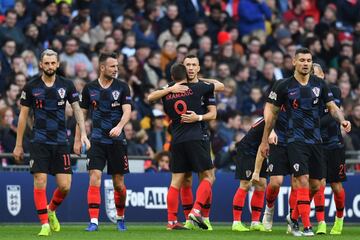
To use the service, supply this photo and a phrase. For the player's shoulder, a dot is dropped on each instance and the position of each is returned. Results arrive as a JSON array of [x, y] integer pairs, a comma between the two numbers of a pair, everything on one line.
[[64, 81], [283, 83], [120, 83], [317, 80], [34, 81]]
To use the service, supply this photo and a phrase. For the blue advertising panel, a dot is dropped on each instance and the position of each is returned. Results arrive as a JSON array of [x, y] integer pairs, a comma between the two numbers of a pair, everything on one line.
[[146, 199]]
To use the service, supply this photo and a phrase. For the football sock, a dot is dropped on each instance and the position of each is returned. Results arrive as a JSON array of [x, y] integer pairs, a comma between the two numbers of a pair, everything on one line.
[[94, 200], [187, 200], [40, 205], [257, 202], [120, 198], [238, 203]]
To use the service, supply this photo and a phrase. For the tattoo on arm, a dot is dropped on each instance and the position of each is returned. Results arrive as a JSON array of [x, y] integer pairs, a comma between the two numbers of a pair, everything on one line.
[[335, 112], [79, 116], [270, 115]]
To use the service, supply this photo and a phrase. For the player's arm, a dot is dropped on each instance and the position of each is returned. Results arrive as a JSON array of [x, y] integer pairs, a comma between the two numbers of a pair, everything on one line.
[[338, 115], [270, 116], [18, 152], [80, 119], [258, 164], [218, 86], [77, 138], [116, 131], [176, 88]]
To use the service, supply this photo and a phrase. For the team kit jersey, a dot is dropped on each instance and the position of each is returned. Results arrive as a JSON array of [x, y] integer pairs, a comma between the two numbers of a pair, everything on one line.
[[303, 108], [105, 105], [278, 162], [334, 149], [190, 147], [246, 152], [49, 151]]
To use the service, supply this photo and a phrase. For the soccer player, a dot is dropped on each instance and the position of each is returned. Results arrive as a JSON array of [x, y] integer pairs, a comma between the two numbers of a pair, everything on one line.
[[247, 152], [302, 95], [191, 63], [109, 102], [46, 95], [334, 159], [190, 146]]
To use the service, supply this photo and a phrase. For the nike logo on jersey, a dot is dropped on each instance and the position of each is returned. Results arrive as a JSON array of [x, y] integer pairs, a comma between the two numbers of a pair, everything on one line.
[[292, 93]]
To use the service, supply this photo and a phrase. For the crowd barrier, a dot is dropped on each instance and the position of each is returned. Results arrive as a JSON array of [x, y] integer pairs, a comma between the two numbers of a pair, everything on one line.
[[146, 199]]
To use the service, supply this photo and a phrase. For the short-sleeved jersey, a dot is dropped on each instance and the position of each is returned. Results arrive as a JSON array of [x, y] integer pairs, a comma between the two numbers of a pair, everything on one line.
[[48, 104], [196, 98], [302, 104], [249, 144], [330, 128], [105, 105]]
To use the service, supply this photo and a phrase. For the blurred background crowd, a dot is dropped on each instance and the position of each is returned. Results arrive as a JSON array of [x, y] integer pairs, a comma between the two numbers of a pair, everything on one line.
[[246, 44]]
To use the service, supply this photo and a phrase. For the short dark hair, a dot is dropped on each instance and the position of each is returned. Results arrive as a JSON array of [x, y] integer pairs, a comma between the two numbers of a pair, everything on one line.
[[190, 56], [178, 72], [104, 56], [302, 51]]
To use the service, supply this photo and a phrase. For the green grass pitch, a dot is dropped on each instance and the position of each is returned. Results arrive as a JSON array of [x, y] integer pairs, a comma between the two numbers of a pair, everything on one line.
[[158, 232]]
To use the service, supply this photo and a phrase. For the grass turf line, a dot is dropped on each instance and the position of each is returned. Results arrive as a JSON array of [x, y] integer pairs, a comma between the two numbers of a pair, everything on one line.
[[158, 232]]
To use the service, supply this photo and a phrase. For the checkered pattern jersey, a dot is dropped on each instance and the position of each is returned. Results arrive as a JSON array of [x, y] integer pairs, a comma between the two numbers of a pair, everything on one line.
[[303, 107], [249, 144], [48, 105], [106, 108], [196, 98], [330, 129]]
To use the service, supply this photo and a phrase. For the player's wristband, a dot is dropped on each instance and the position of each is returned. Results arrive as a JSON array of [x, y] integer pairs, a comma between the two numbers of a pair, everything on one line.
[[200, 118]]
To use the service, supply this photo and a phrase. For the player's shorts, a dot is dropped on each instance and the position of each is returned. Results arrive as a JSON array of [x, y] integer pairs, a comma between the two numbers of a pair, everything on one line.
[[50, 159], [115, 155], [306, 159], [279, 164], [334, 160], [245, 166], [191, 156]]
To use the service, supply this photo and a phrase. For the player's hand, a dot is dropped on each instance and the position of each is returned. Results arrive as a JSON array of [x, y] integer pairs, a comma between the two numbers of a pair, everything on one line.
[[115, 132], [346, 125], [189, 117], [18, 153], [255, 179], [178, 88], [264, 149], [85, 142], [273, 138], [77, 146]]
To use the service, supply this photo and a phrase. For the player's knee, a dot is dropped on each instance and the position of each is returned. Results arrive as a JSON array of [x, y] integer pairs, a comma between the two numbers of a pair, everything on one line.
[[303, 182], [336, 187], [40, 182], [275, 184], [64, 189], [119, 187]]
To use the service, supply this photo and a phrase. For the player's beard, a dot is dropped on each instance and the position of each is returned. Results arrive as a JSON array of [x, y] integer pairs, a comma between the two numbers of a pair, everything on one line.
[[109, 77], [49, 73]]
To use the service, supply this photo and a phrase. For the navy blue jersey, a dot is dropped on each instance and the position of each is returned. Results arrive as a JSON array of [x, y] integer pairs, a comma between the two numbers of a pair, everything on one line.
[[48, 104], [105, 105], [302, 105], [196, 98], [281, 122], [330, 128], [249, 144]]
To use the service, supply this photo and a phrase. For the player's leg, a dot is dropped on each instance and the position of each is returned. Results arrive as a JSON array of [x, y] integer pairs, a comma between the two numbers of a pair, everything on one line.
[[298, 154], [173, 201], [294, 212], [63, 182], [40, 155], [119, 199], [319, 200], [203, 193], [339, 197], [272, 191], [257, 203], [238, 205], [336, 174], [206, 208], [94, 199], [187, 199], [40, 200], [97, 160], [118, 166]]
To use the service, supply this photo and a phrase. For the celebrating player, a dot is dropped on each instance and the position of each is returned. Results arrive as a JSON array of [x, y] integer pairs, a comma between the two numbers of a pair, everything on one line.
[[109, 101], [46, 95], [302, 95]]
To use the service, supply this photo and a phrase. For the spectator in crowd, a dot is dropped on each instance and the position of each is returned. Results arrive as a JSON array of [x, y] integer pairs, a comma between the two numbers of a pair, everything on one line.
[[71, 56], [172, 13], [31, 62], [8, 50], [23, 15], [254, 104], [103, 29], [9, 29], [355, 126], [157, 132], [176, 34], [152, 68], [190, 11], [129, 45], [11, 95]]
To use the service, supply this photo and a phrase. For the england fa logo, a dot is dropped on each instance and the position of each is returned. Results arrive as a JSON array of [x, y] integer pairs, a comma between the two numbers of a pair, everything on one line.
[[13, 193]]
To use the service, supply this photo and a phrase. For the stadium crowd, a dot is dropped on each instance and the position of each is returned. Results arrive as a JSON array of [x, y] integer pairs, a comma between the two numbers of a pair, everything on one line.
[[246, 44]]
